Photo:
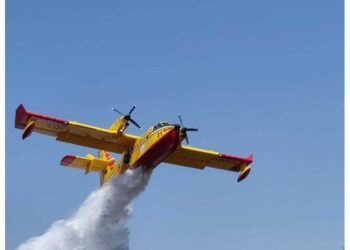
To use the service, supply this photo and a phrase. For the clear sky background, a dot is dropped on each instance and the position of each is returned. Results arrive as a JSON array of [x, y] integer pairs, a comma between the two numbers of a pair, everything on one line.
[[261, 77]]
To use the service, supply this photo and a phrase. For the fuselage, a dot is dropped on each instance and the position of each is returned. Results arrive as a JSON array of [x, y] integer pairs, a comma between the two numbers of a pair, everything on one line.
[[155, 145], [151, 149]]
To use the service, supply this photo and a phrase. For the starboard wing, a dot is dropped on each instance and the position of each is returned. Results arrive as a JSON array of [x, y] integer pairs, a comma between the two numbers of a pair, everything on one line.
[[73, 132]]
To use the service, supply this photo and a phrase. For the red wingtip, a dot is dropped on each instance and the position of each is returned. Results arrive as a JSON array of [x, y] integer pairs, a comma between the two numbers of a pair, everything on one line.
[[250, 157], [67, 160], [247, 160]]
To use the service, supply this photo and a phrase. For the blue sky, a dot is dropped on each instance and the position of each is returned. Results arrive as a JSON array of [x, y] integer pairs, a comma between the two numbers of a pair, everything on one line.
[[261, 77]]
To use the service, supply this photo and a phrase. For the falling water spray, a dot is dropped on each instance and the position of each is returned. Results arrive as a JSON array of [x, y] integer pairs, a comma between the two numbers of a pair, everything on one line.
[[101, 221]]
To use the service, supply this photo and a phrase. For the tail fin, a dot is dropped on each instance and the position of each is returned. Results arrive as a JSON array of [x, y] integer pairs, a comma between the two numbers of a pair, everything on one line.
[[104, 155], [113, 168]]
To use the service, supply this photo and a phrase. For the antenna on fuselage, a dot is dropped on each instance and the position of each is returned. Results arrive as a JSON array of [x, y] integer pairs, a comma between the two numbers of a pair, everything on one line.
[[128, 116], [184, 130]]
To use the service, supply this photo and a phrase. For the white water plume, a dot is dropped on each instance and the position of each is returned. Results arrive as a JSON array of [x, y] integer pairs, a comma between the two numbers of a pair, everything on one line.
[[101, 221]]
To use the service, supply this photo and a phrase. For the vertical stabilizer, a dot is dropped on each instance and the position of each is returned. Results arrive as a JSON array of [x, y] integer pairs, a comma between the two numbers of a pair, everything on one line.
[[104, 155]]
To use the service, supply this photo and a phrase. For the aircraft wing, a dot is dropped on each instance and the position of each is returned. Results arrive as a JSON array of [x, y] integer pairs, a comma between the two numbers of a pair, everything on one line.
[[73, 132], [200, 158]]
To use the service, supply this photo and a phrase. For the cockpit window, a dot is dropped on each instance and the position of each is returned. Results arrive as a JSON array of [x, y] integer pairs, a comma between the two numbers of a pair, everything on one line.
[[161, 124]]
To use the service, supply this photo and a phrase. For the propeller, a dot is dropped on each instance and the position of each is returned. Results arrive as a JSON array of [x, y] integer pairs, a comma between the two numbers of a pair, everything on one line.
[[184, 129], [128, 116]]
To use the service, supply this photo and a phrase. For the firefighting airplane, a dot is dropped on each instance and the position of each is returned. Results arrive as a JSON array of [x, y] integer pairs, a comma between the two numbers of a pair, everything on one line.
[[161, 143]]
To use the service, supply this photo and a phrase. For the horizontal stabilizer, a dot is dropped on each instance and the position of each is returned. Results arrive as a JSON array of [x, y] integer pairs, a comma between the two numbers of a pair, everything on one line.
[[88, 163]]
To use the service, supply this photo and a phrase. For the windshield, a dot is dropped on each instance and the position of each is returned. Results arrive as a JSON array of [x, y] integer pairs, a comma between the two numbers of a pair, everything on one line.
[[161, 124]]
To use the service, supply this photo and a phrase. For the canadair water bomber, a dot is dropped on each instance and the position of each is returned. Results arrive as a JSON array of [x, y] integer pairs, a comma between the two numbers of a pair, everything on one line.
[[160, 143]]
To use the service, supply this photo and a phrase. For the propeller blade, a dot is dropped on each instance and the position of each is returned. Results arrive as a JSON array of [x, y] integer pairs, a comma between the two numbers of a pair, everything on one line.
[[186, 138], [114, 109], [132, 109], [182, 125], [184, 129], [135, 123], [191, 129]]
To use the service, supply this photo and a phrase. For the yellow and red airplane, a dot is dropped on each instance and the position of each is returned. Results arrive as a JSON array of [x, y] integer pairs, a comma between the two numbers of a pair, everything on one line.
[[160, 143]]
